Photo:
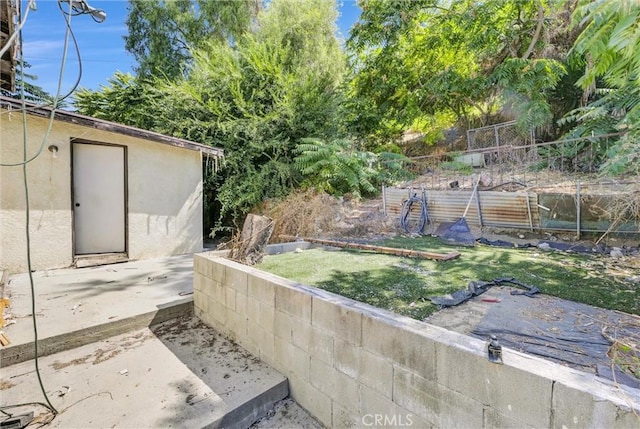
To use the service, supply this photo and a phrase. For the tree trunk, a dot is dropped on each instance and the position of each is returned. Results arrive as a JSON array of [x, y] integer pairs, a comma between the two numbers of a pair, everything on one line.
[[249, 247]]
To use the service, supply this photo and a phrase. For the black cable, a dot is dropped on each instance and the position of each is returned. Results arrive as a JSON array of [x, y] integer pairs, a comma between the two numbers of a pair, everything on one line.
[[407, 208], [28, 238], [57, 99]]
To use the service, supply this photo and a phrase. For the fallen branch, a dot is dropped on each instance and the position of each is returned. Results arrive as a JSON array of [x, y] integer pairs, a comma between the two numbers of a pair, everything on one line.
[[378, 249]]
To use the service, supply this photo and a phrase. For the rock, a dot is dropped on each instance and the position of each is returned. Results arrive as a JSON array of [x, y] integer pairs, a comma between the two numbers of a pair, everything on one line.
[[616, 253], [633, 279], [520, 235], [544, 246], [485, 179]]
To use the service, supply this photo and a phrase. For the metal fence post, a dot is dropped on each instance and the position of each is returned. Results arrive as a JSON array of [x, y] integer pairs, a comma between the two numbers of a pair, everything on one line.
[[578, 208]]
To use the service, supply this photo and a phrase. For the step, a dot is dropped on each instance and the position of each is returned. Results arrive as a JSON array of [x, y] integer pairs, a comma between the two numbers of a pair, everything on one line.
[[20, 352], [179, 373]]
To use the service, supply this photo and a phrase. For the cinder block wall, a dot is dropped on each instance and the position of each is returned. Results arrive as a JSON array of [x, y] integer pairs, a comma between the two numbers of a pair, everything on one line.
[[350, 364]]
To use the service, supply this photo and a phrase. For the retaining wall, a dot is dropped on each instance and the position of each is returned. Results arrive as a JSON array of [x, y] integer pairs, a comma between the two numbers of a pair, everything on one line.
[[350, 364]]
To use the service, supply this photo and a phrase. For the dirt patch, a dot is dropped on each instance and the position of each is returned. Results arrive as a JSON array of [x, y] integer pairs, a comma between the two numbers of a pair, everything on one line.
[[4, 385], [79, 361], [102, 355]]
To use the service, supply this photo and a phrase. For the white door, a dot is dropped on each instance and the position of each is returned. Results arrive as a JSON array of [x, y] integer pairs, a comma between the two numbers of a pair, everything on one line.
[[99, 198]]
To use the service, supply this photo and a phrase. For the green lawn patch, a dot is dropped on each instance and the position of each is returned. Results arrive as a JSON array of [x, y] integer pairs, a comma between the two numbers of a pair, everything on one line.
[[404, 285]]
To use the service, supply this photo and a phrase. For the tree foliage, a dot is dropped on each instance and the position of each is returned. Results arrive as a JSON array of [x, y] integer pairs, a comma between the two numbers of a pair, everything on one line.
[[466, 57], [163, 33], [26, 84], [125, 99], [338, 168], [609, 45]]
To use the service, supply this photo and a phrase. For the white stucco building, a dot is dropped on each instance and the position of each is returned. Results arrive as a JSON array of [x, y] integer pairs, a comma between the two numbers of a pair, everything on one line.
[[99, 191]]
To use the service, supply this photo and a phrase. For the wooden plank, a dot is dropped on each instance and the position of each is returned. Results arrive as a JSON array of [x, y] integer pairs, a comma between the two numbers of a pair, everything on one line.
[[4, 340], [378, 249]]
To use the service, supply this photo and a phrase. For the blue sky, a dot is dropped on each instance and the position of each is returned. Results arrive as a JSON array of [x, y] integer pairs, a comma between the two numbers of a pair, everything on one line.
[[101, 44]]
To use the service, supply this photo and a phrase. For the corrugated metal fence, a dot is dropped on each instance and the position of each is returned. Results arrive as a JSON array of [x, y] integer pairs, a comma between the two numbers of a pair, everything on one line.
[[519, 210], [488, 208]]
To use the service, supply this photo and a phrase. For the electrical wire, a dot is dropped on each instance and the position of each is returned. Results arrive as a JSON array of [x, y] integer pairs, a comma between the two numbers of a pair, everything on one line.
[[27, 232], [27, 205], [57, 99]]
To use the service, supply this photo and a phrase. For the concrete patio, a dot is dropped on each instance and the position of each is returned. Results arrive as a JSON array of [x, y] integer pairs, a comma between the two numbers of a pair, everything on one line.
[[75, 307], [119, 346]]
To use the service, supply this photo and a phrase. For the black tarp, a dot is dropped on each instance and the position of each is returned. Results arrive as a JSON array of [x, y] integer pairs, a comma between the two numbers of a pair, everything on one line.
[[563, 331]]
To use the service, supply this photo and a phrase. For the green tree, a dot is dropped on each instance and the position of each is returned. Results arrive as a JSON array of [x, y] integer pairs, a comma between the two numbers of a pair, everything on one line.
[[469, 58], [25, 84], [163, 33], [125, 100], [609, 49], [336, 167]]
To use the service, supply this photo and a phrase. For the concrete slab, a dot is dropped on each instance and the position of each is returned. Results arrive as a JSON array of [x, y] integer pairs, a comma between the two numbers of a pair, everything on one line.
[[179, 373], [79, 306]]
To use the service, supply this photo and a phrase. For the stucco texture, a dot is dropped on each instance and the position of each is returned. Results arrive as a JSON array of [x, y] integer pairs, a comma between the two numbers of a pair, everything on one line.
[[164, 197]]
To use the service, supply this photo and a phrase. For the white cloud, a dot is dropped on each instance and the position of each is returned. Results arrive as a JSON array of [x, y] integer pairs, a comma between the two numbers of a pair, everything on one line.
[[42, 48]]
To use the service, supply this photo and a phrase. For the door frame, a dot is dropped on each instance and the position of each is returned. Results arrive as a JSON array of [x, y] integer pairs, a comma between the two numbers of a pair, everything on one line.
[[73, 141]]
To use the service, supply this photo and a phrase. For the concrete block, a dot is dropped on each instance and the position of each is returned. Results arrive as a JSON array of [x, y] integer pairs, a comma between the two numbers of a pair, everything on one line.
[[217, 312], [464, 368], [261, 314], [338, 386], [283, 355], [198, 264], [311, 399], [242, 304], [206, 318], [217, 272], [494, 419], [236, 277], [283, 326], [201, 300], [294, 302], [263, 290], [210, 268], [313, 341], [379, 411], [253, 310], [405, 346], [344, 417], [300, 363], [337, 319], [230, 298], [207, 286], [236, 323], [205, 267], [214, 290], [263, 340], [274, 249], [435, 403], [369, 369], [577, 408], [197, 282], [267, 318]]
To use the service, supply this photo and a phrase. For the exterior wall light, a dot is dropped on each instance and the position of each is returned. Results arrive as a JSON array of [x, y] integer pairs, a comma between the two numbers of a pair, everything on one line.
[[54, 150]]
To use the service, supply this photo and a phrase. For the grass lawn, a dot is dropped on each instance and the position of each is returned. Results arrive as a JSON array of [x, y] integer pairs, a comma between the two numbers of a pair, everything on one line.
[[404, 285]]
